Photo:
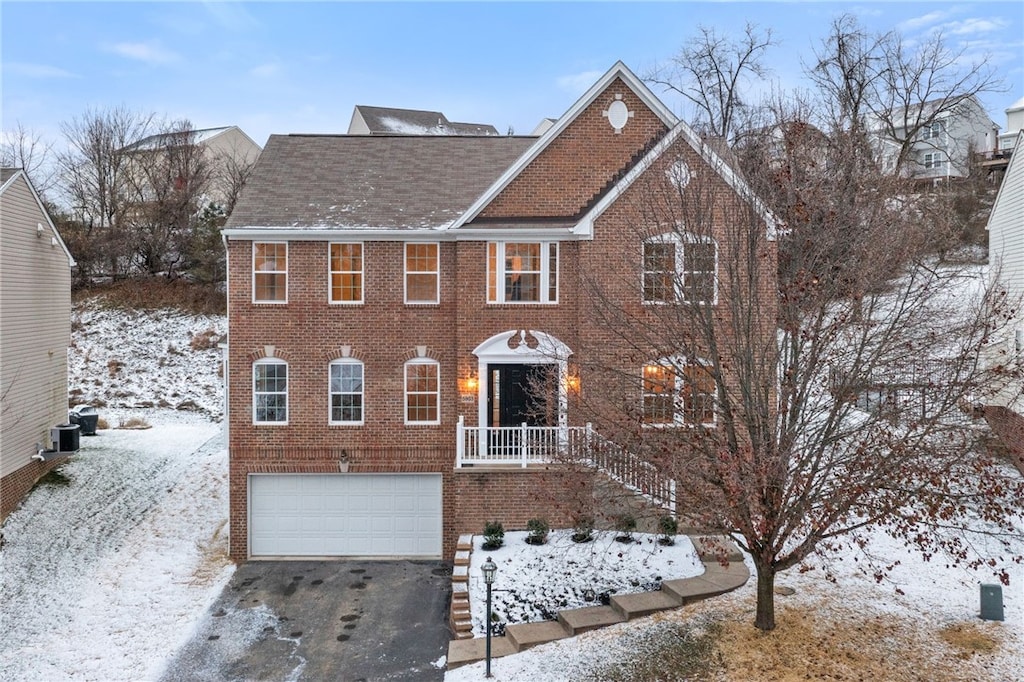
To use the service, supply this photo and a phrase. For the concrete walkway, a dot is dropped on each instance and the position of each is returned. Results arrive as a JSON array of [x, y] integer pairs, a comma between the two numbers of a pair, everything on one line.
[[716, 579]]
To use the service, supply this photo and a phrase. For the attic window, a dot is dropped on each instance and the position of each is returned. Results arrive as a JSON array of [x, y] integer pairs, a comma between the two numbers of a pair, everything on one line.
[[618, 114]]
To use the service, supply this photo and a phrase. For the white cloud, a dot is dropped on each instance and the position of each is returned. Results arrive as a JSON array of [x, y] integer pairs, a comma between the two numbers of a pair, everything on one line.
[[150, 53], [927, 19], [974, 26], [36, 70], [578, 83], [268, 70]]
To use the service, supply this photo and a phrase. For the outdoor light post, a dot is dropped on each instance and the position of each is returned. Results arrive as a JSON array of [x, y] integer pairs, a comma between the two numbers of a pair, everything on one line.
[[489, 569]]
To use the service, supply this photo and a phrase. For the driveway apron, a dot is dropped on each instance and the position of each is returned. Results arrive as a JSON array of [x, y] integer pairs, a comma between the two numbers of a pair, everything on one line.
[[323, 620]]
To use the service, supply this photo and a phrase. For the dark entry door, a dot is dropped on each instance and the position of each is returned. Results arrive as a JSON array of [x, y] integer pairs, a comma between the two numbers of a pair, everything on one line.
[[520, 394]]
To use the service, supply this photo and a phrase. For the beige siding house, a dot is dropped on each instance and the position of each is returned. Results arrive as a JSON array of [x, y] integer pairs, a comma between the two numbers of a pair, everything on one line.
[[35, 328]]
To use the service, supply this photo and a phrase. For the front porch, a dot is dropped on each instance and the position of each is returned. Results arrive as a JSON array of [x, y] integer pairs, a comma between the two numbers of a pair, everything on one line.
[[525, 445]]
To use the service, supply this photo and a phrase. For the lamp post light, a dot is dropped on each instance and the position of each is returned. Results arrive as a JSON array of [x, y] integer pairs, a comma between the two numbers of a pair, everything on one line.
[[489, 569]]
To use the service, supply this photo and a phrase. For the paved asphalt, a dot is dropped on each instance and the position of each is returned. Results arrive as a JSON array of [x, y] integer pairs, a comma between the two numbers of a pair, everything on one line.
[[307, 621]]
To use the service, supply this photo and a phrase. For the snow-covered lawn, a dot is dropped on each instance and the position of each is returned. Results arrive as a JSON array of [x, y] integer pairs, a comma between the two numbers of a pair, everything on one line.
[[533, 582], [104, 577]]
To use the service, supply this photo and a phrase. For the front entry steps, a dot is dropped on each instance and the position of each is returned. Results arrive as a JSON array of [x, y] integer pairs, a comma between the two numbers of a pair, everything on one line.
[[717, 579]]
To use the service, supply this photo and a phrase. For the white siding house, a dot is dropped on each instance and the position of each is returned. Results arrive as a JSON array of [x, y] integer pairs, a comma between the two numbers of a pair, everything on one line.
[[35, 329]]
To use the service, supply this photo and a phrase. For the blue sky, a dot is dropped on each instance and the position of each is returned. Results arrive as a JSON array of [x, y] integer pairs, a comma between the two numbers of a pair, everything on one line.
[[273, 67]]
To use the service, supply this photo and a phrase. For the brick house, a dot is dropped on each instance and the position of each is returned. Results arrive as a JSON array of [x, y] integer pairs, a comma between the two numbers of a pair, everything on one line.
[[412, 323]]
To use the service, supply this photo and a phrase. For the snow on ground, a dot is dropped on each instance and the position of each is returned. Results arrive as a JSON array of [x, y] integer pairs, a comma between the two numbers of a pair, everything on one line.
[[146, 358], [535, 581], [105, 577], [934, 596]]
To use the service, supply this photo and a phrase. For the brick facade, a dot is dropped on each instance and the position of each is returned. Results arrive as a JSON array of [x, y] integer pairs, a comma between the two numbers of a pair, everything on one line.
[[15, 486], [383, 332]]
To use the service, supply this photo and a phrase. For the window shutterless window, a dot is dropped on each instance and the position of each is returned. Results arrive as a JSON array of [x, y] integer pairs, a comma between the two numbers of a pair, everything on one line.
[[934, 160], [421, 273], [522, 272], [679, 269], [678, 392], [422, 392], [346, 264], [270, 272], [346, 377], [270, 391]]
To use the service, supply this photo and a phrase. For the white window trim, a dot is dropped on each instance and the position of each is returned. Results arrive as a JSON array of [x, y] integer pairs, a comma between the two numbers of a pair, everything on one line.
[[545, 273], [361, 271], [436, 273], [405, 391], [287, 257], [934, 160], [270, 361], [678, 365], [680, 240], [331, 393]]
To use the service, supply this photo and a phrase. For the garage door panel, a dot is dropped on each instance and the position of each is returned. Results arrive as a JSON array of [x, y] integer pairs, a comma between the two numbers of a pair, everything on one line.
[[345, 515]]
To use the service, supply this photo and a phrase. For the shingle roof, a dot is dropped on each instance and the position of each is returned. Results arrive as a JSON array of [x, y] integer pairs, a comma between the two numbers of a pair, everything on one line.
[[386, 120], [356, 181], [161, 139]]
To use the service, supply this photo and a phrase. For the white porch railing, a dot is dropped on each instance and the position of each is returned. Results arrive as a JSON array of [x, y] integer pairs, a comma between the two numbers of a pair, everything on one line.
[[523, 445]]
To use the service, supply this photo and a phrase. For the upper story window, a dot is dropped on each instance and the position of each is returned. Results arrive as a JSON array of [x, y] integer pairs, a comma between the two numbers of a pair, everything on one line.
[[422, 275], [931, 131], [422, 392], [270, 272], [346, 273], [678, 392], [678, 268], [270, 391], [346, 392], [522, 272], [934, 160]]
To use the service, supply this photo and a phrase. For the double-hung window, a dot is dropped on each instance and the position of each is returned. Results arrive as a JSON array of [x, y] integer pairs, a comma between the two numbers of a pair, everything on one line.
[[270, 272], [346, 263], [934, 160], [422, 273], [678, 392], [931, 131], [422, 392], [270, 391], [679, 268], [522, 272], [346, 392]]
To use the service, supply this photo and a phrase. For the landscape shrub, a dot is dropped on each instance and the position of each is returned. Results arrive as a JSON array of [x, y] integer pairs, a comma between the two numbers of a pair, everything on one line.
[[494, 535]]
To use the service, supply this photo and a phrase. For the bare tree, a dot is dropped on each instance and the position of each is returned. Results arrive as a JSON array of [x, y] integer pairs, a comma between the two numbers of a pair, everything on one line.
[[714, 73], [788, 421], [26, 149], [96, 182], [880, 89], [169, 179]]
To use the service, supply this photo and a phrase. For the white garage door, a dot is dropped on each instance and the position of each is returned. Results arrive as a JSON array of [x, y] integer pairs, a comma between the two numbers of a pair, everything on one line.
[[322, 515]]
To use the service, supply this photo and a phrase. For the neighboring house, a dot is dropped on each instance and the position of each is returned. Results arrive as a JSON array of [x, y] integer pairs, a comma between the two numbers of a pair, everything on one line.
[[35, 329], [943, 147], [1005, 410], [1014, 124], [387, 121], [229, 152], [409, 322]]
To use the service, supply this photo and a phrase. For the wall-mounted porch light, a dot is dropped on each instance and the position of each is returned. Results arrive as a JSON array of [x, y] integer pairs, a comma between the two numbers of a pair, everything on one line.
[[470, 383]]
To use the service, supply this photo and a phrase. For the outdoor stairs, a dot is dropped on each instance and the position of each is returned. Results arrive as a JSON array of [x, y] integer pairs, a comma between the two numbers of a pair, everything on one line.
[[462, 624], [718, 578]]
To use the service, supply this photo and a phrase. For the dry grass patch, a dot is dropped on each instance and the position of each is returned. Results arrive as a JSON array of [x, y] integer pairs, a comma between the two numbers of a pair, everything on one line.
[[849, 645], [213, 556], [134, 423]]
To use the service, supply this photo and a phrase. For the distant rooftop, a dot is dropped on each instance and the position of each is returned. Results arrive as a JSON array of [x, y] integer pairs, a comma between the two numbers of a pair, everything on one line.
[[162, 139], [389, 121]]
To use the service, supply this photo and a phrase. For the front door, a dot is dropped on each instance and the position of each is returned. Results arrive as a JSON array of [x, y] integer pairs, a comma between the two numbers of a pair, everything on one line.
[[521, 393]]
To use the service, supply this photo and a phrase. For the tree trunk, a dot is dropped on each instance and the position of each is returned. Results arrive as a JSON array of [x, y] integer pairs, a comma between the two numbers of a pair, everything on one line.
[[765, 618]]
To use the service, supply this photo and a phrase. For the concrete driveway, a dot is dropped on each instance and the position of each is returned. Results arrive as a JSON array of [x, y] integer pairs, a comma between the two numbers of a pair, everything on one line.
[[323, 620]]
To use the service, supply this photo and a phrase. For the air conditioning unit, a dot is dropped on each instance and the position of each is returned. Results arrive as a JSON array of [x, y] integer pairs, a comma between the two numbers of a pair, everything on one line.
[[64, 438]]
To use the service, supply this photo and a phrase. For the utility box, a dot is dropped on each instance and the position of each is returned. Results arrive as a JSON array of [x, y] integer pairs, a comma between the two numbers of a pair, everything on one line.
[[65, 437], [991, 602]]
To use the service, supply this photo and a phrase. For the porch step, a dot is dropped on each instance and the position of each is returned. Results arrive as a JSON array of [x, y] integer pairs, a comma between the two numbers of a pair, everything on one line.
[[464, 626], [465, 543], [587, 618], [526, 635], [462, 558], [462, 636], [460, 574]]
